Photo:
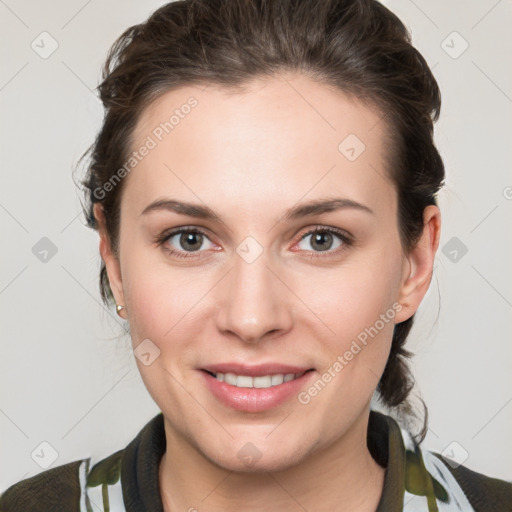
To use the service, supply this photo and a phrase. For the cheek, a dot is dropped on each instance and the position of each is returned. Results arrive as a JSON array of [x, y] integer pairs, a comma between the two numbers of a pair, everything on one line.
[[160, 298], [161, 303], [359, 306], [354, 297]]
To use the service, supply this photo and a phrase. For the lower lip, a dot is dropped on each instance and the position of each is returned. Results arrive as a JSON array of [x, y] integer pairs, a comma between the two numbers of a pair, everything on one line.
[[254, 399]]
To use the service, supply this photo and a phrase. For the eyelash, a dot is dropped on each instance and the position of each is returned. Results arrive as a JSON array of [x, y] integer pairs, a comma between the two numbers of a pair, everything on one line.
[[344, 237]]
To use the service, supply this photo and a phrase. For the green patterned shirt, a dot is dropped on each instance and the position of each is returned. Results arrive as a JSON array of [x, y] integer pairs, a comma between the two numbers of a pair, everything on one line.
[[416, 479]]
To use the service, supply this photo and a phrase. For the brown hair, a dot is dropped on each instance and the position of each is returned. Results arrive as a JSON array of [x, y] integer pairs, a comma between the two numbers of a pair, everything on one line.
[[357, 46]]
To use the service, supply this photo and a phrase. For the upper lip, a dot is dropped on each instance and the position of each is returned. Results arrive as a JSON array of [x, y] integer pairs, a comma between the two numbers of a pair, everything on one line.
[[256, 370]]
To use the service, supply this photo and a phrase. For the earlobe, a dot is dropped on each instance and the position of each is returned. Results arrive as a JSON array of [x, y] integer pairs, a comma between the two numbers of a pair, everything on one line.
[[420, 262], [109, 258]]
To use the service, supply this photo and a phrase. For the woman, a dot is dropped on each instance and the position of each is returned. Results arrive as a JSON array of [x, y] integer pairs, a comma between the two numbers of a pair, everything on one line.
[[264, 187]]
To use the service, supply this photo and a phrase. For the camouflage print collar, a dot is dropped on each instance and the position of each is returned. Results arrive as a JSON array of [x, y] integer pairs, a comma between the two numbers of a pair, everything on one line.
[[416, 480]]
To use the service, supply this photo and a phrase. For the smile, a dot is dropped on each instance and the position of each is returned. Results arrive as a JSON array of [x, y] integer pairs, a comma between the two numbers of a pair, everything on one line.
[[255, 393], [263, 381]]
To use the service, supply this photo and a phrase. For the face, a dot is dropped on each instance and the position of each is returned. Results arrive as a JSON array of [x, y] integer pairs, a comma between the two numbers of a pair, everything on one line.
[[227, 267]]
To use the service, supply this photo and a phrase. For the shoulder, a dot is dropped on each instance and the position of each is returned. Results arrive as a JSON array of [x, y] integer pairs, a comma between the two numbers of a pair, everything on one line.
[[431, 478], [54, 489], [454, 486], [483, 492], [88, 484], [63, 488]]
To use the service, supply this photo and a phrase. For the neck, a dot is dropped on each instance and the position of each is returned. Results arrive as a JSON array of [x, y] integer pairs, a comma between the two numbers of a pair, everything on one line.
[[342, 477]]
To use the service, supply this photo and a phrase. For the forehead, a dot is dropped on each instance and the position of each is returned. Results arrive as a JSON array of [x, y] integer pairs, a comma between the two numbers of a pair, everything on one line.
[[284, 137], [279, 99]]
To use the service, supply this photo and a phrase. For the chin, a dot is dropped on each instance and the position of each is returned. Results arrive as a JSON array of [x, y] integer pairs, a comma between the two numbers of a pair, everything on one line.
[[259, 463], [256, 456]]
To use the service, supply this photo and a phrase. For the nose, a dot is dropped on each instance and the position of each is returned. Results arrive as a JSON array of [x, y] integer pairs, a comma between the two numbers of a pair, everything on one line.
[[254, 302]]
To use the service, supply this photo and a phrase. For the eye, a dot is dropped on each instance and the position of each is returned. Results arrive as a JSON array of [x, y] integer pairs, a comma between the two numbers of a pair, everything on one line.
[[325, 240], [184, 240]]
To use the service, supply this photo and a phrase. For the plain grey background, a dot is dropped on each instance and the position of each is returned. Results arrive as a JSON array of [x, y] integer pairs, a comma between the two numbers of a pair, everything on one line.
[[69, 382]]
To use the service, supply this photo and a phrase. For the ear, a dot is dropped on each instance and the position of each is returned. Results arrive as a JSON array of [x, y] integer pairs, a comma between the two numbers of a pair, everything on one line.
[[110, 259], [419, 264]]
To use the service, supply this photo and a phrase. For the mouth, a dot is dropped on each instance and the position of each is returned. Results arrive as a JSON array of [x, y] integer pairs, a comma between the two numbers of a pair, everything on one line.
[[255, 389], [260, 381]]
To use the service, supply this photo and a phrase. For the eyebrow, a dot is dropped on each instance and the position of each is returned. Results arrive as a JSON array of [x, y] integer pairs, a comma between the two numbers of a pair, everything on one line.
[[314, 207]]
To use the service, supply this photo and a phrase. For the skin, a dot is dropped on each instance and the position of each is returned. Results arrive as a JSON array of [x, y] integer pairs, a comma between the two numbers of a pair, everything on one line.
[[250, 156]]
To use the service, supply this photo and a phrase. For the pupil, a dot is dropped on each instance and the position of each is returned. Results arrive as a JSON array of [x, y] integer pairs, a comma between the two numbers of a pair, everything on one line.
[[188, 239], [318, 239]]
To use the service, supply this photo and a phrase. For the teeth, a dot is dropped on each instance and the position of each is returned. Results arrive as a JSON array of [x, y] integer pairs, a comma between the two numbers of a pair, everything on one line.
[[264, 381]]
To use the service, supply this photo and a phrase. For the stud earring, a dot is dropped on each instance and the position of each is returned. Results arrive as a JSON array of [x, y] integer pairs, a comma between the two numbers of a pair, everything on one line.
[[119, 308]]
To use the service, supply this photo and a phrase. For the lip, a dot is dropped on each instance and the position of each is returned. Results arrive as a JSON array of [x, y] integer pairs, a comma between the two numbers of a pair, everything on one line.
[[256, 399], [255, 370]]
